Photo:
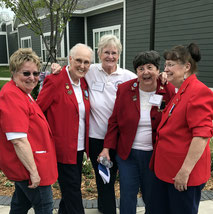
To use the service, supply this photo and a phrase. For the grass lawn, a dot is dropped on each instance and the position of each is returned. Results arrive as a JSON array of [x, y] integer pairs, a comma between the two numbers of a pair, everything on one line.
[[4, 71]]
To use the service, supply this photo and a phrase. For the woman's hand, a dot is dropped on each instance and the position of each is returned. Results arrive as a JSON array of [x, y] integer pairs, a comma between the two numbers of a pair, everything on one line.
[[55, 68], [195, 151], [24, 152], [35, 180], [163, 77], [104, 153], [181, 180]]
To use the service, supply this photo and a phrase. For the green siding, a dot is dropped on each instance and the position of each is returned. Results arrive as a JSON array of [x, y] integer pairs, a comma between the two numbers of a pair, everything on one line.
[[76, 31], [24, 31], [107, 19], [137, 28], [3, 52], [177, 22]]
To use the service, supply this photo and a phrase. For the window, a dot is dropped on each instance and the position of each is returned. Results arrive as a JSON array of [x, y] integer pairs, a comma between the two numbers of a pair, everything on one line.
[[26, 42], [99, 32], [44, 52]]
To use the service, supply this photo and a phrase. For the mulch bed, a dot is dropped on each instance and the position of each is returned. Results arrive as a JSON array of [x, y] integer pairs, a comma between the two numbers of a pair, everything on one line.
[[88, 187]]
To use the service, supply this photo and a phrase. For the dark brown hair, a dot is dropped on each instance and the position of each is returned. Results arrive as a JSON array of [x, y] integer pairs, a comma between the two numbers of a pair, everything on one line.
[[184, 54], [146, 57]]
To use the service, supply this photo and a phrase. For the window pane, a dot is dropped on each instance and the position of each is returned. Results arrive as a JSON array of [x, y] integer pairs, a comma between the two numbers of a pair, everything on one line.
[[108, 32], [102, 33], [96, 39], [25, 43], [116, 33]]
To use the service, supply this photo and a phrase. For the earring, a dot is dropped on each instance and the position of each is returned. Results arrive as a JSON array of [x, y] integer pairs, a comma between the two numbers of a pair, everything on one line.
[[184, 77]]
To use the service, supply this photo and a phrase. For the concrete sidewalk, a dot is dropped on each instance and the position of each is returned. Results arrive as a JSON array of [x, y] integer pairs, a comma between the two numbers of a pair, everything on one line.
[[5, 78], [206, 207]]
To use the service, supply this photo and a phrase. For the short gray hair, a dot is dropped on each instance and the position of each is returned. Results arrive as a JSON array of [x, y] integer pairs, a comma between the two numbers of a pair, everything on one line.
[[110, 40], [73, 50]]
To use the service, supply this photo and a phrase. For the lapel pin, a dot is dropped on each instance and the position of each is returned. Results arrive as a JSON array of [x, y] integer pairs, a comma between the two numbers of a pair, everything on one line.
[[69, 92], [67, 86], [161, 87], [135, 85], [134, 98], [86, 94]]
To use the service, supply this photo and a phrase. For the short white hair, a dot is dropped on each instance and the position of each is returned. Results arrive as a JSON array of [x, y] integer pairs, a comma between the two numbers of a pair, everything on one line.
[[109, 40], [73, 50]]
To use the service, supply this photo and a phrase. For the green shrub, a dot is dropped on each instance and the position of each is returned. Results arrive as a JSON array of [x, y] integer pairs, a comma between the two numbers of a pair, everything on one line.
[[87, 169]]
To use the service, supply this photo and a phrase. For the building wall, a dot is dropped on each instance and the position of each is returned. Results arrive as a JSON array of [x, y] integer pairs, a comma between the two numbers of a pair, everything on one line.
[[137, 28], [106, 19], [24, 31], [12, 39], [183, 22], [12, 42], [3, 45], [177, 22], [76, 31]]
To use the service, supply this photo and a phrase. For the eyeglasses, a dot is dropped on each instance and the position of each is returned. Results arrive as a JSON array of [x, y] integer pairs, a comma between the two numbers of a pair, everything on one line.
[[169, 65], [28, 73], [80, 61]]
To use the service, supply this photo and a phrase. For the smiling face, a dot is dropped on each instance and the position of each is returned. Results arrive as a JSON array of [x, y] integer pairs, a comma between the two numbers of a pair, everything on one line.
[[109, 58], [176, 72], [79, 64], [147, 77], [26, 83]]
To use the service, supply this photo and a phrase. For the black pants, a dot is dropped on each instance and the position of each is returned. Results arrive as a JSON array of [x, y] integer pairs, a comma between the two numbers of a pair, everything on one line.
[[69, 178], [106, 192], [166, 199]]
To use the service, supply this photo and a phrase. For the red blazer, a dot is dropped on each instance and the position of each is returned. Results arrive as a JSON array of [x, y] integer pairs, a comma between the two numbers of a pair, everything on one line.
[[19, 113], [190, 114], [57, 100], [123, 123]]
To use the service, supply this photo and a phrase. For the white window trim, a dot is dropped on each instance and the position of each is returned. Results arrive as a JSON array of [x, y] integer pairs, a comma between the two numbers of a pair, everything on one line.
[[45, 34], [99, 30], [26, 38], [62, 45]]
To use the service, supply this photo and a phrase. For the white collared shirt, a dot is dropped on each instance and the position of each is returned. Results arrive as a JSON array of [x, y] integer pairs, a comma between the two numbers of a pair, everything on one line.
[[102, 91], [81, 107]]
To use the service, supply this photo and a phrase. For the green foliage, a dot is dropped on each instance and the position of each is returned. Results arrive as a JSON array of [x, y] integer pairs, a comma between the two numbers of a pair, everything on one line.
[[35, 91], [9, 184], [56, 185], [87, 169], [57, 12]]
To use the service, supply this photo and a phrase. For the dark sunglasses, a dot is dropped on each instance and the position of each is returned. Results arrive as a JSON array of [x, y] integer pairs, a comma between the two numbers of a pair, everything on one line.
[[28, 73]]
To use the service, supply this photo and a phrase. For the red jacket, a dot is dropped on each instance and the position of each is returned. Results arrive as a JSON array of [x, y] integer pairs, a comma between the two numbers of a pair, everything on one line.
[[18, 113], [189, 115], [123, 123], [57, 100]]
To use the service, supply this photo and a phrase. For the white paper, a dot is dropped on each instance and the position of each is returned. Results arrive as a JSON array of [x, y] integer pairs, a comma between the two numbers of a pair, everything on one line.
[[156, 99]]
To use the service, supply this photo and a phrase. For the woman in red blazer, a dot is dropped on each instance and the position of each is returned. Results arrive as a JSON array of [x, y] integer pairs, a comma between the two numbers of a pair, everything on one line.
[[181, 159], [27, 150], [132, 129], [64, 100]]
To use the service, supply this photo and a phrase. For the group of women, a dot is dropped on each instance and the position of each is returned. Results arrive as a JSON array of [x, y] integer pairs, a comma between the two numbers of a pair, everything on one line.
[[158, 139]]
